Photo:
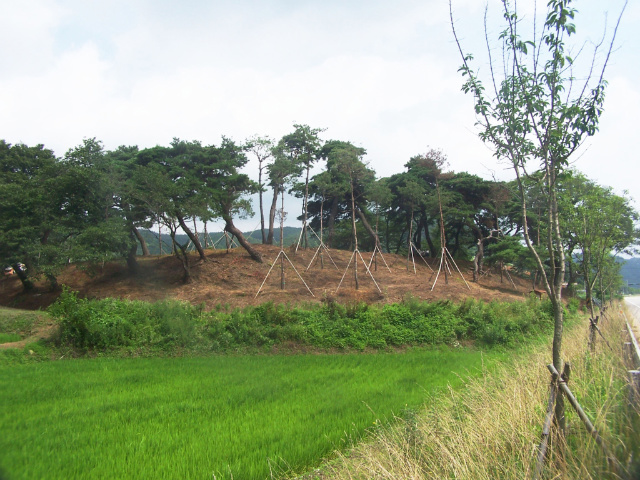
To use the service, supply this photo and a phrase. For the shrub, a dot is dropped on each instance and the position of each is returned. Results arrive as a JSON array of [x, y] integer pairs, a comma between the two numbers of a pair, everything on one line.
[[110, 323]]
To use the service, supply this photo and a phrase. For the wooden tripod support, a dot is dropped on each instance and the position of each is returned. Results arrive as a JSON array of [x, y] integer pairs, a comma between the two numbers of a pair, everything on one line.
[[355, 266]]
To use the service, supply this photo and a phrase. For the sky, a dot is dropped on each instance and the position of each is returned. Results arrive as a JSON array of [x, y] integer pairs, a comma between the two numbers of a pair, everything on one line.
[[380, 74]]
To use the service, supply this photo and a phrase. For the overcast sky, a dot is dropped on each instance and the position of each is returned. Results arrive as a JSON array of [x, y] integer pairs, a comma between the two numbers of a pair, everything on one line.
[[380, 74]]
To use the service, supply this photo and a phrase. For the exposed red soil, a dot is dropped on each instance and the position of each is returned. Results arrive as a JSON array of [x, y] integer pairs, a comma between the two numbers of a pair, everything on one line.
[[233, 279]]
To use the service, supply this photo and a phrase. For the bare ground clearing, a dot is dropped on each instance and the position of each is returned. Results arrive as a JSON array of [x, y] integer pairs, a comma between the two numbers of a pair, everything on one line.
[[233, 279]]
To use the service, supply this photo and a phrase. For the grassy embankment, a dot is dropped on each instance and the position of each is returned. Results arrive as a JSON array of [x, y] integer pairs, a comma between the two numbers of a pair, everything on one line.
[[491, 428], [18, 324], [245, 416]]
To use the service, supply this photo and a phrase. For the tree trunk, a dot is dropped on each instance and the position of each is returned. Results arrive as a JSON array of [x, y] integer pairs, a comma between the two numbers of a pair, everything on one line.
[[233, 230], [306, 208], [181, 252], [387, 234], [333, 213], [477, 259], [143, 244], [27, 284], [272, 215], [417, 237], [132, 263], [54, 286], [367, 226], [456, 244], [409, 239], [264, 238], [399, 244], [355, 236], [192, 237], [427, 236]]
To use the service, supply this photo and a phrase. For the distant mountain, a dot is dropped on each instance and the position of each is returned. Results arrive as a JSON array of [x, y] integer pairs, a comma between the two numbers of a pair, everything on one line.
[[631, 271], [155, 242]]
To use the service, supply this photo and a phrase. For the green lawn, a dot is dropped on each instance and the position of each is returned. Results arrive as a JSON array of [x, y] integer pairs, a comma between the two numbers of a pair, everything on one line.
[[198, 417]]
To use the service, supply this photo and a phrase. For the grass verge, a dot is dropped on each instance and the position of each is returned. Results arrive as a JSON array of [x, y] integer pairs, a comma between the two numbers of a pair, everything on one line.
[[17, 324], [491, 428]]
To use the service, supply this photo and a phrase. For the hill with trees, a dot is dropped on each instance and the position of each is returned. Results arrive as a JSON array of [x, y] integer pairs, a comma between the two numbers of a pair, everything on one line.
[[94, 206]]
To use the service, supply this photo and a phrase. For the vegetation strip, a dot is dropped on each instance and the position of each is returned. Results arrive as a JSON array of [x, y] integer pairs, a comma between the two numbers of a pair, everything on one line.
[[105, 325]]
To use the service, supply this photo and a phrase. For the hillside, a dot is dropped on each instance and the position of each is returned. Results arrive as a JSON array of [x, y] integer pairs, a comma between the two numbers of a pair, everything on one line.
[[630, 271], [233, 279]]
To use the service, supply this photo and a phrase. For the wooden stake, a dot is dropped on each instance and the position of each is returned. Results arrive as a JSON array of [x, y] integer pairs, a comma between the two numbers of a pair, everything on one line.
[[614, 465]]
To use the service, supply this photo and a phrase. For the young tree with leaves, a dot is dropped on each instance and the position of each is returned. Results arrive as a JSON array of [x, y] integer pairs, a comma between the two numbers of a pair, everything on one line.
[[262, 150], [599, 224], [536, 113], [301, 147]]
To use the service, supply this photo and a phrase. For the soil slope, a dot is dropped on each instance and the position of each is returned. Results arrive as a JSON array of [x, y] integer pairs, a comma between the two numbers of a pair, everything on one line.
[[234, 279]]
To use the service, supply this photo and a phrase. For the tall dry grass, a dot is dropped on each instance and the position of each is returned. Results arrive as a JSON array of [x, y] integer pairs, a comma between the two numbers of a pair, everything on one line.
[[491, 428]]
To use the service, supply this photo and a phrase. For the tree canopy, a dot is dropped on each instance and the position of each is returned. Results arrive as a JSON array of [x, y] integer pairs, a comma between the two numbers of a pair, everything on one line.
[[90, 205]]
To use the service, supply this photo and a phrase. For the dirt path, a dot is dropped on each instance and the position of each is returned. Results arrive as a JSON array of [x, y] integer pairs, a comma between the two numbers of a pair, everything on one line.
[[42, 332]]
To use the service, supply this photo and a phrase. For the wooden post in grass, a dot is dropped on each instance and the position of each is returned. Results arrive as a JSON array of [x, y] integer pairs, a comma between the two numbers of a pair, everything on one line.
[[546, 427], [614, 465], [593, 323]]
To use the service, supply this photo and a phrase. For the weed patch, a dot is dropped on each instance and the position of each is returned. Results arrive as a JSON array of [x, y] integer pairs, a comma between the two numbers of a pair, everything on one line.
[[102, 325]]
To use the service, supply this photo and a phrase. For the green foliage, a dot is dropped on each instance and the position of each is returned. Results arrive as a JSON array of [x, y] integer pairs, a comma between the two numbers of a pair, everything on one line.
[[106, 324], [573, 305], [109, 324]]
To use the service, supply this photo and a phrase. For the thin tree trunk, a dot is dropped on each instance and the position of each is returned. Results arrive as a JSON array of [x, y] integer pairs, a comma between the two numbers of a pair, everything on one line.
[[272, 215], [321, 232], [399, 244], [27, 284], [333, 213], [427, 236], [181, 252], [367, 226], [192, 237], [409, 239], [132, 263], [54, 286], [143, 243], [264, 238], [306, 208], [355, 235], [233, 230], [476, 260]]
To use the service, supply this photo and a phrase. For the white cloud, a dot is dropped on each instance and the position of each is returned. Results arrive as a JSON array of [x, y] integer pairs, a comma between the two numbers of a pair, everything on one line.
[[382, 75]]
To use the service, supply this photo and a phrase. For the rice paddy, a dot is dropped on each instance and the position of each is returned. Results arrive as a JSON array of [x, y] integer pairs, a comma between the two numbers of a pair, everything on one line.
[[243, 417]]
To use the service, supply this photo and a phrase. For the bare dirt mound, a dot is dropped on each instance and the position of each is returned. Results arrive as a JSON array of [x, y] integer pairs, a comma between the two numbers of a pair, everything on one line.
[[233, 279]]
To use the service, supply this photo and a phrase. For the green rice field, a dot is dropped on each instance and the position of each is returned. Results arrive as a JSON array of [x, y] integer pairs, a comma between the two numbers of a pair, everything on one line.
[[242, 417]]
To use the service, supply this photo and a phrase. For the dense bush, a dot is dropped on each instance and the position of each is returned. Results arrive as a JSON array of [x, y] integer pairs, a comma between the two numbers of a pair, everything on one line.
[[169, 325]]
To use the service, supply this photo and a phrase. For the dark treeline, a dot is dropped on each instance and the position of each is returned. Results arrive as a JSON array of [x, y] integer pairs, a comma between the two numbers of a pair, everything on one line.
[[93, 205]]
